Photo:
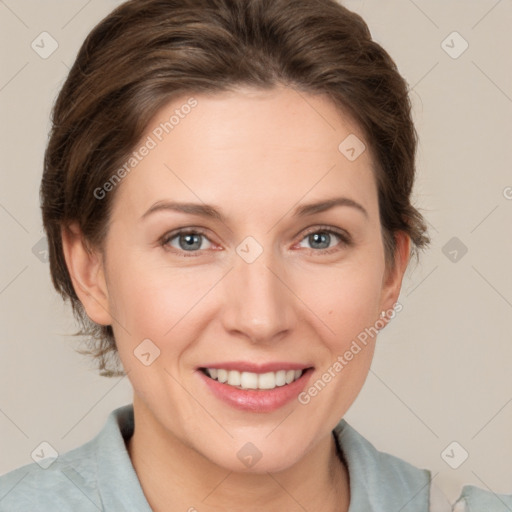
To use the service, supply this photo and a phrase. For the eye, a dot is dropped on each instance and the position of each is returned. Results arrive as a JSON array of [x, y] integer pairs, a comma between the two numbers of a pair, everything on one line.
[[323, 239], [186, 240], [191, 240]]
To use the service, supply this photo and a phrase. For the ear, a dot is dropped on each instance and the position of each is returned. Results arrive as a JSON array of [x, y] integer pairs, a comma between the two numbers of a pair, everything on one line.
[[392, 281], [86, 270]]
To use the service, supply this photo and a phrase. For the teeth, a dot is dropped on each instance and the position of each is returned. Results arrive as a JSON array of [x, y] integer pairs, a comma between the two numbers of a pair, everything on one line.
[[267, 380], [233, 378], [249, 380], [281, 378]]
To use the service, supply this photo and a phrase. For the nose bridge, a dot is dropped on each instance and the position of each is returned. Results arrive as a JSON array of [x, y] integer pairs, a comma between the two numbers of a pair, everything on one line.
[[258, 303]]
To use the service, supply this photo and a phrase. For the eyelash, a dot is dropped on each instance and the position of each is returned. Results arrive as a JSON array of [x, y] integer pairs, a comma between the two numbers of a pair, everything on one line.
[[345, 240]]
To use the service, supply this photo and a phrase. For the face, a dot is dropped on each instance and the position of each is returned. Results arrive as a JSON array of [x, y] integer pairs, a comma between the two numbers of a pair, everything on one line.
[[246, 280]]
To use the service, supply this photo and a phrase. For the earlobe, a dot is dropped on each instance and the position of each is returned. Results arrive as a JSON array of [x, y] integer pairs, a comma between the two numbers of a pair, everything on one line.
[[85, 267]]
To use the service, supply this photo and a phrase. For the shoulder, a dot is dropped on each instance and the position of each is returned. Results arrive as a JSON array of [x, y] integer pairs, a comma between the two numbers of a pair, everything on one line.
[[475, 499], [379, 480], [70, 478], [80, 479]]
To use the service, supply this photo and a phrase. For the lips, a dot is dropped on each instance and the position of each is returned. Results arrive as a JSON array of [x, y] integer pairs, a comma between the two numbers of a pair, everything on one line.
[[247, 366], [252, 387]]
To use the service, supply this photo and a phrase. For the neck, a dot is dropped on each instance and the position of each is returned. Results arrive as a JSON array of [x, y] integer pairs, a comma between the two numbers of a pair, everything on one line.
[[174, 476]]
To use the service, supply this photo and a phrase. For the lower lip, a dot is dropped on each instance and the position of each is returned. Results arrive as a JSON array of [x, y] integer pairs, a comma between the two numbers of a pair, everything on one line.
[[257, 400]]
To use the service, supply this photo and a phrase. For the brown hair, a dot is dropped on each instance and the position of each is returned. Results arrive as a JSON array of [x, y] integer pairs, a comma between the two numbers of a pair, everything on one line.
[[146, 52]]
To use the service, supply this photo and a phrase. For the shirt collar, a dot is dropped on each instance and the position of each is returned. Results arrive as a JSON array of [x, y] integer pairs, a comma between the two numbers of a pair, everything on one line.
[[372, 474], [118, 483], [378, 480]]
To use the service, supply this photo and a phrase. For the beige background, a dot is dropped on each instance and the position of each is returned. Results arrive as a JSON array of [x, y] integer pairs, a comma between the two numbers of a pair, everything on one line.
[[441, 372]]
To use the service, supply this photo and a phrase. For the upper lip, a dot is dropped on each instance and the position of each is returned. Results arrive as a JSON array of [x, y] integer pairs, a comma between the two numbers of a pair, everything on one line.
[[245, 366]]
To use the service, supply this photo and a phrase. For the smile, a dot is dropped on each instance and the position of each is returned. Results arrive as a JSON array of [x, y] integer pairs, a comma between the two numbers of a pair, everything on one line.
[[250, 380], [255, 387]]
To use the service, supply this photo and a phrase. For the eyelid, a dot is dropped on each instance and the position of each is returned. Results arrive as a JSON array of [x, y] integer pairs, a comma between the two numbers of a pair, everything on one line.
[[342, 234], [326, 228], [167, 237]]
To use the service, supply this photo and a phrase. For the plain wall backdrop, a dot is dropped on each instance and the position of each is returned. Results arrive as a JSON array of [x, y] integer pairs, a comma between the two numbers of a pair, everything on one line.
[[441, 372]]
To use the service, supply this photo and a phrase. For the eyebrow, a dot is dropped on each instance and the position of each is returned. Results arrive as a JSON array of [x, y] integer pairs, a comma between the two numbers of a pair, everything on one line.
[[205, 210]]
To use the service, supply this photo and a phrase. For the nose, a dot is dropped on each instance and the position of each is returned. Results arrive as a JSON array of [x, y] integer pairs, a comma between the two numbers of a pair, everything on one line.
[[259, 301]]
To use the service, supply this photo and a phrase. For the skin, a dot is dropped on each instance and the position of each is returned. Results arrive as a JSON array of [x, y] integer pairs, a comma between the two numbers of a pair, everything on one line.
[[255, 155]]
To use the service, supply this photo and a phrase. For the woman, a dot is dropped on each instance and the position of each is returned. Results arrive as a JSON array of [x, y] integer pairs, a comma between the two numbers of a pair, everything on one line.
[[226, 196]]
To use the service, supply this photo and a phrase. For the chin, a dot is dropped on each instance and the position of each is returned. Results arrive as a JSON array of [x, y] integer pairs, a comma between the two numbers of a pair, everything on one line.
[[248, 457], [266, 464]]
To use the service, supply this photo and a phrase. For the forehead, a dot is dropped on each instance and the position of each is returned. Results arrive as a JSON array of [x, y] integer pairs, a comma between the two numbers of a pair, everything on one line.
[[248, 148]]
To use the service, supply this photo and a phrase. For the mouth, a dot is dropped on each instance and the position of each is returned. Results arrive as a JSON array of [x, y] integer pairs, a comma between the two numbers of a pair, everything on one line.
[[255, 388], [251, 380]]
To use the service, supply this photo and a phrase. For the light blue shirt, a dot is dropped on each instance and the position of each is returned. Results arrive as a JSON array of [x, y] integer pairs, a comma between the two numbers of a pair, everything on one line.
[[99, 476]]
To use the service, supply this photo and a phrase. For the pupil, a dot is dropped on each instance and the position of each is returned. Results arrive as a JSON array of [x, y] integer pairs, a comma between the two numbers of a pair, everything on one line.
[[316, 237], [191, 241]]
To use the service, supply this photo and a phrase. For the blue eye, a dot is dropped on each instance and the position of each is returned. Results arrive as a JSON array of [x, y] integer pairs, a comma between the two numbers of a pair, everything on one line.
[[320, 240], [188, 240]]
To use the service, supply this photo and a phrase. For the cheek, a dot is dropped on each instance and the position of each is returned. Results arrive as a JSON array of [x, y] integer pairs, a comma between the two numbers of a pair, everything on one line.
[[349, 304], [157, 302], [145, 302], [142, 293], [346, 298], [359, 304]]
